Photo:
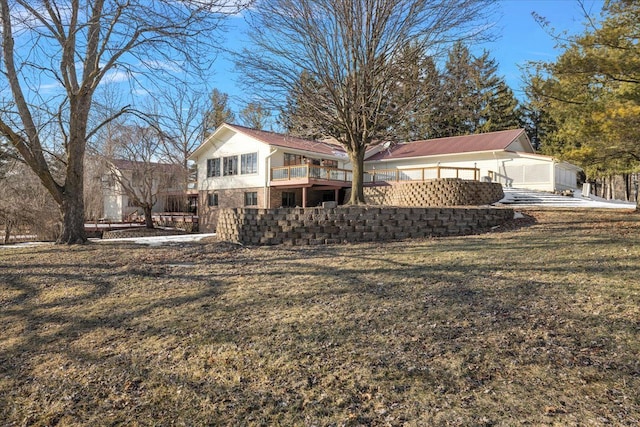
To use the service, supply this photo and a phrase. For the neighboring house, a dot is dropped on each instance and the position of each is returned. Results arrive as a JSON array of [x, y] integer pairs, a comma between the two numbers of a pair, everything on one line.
[[157, 182], [505, 156], [239, 167]]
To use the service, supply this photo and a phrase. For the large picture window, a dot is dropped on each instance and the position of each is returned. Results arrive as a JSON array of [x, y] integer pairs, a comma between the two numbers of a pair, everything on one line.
[[213, 167], [230, 165], [249, 163], [251, 198]]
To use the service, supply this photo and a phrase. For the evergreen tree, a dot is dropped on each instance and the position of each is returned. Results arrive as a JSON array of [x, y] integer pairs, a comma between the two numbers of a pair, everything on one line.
[[294, 117], [535, 115], [418, 90], [593, 93], [219, 112], [459, 88], [477, 99], [467, 97]]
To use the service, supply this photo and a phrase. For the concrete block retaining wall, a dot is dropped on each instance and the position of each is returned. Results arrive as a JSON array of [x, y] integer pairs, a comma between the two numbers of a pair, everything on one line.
[[437, 192], [317, 226]]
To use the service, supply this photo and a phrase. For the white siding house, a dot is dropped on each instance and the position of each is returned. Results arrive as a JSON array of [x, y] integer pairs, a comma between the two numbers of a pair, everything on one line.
[[505, 156], [165, 188], [238, 166]]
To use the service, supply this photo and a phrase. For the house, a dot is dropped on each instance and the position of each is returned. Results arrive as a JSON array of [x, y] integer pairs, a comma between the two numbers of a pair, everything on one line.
[[239, 166], [243, 167], [158, 183], [505, 156]]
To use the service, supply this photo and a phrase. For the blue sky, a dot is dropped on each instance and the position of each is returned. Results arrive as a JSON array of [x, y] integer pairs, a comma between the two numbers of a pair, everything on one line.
[[519, 39], [522, 39]]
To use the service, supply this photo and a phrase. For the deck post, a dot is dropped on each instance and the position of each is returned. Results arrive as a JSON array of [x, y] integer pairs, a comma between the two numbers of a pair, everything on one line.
[[304, 197], [336, 193]]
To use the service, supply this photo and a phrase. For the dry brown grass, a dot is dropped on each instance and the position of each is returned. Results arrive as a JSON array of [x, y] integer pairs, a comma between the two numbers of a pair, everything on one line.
[[533, 326]]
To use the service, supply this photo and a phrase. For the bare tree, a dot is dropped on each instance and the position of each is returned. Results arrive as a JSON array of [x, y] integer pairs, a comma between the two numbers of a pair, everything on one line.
[[25, 205], [254, 115], [134, 170], [350, 50], [71, 48], [179, 118], [94, 170]]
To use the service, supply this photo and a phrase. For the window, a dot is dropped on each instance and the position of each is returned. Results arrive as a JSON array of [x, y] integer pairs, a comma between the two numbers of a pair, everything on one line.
[[251, 198], [230, 165], [330, 163], [249, 163], [293, 159], [136, 178], [288, 199], [212, 199], [213, 167]]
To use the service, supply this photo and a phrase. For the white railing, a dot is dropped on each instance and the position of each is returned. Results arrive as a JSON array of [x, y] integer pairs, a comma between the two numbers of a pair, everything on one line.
[[313, 172], [421, 174]]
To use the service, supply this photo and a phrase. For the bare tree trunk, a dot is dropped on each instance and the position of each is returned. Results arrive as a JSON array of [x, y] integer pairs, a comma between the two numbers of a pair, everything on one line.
[[612, 183], [72, 206], [7, 231], [72, 210], [627, 186], [357, 183], [148, 218]]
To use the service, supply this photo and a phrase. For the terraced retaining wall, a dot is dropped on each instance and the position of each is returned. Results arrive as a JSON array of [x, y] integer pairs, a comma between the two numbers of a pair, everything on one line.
[[437, 192], [317, 226]]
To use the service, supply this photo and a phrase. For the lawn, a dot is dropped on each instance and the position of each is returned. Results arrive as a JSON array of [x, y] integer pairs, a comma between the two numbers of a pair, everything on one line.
[[532, 325]]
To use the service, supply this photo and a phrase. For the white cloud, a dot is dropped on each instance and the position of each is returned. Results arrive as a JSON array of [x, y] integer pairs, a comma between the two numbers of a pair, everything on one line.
[[117, 76]]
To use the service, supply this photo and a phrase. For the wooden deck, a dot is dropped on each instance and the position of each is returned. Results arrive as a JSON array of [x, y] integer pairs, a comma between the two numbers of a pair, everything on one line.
[[310, 175]]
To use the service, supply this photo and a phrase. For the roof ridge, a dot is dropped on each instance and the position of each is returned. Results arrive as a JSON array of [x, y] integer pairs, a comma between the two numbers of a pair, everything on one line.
[[464, 136], [285, 136]]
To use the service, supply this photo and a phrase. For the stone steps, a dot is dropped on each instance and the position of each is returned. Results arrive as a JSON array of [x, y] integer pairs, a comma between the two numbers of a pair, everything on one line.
[[524, 197]]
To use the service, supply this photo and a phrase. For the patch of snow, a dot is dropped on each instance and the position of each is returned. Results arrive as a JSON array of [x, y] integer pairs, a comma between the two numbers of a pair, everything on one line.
[[94, 226], [159, 240], [24, 245], [530, 198]]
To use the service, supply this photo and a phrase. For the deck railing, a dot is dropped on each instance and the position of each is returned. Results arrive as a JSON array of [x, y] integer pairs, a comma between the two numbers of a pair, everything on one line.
[[502, 179], [421, 174], [286, 173]]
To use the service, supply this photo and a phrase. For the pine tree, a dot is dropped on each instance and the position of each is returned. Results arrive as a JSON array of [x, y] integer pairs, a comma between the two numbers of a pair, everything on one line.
[[461, 97], [477, 99], [219, 112], [593, 93], [419, 90]]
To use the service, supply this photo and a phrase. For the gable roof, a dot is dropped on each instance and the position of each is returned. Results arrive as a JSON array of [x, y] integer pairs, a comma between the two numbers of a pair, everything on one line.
[[281, 140], [492, 141], [288, 141]]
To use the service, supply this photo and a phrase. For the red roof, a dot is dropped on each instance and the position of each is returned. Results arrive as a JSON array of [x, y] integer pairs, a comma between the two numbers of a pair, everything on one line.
[[451, 145], [288, 141]]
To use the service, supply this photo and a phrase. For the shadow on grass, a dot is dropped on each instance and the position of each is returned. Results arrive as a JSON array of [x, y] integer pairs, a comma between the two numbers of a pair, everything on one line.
[[461, 331]]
